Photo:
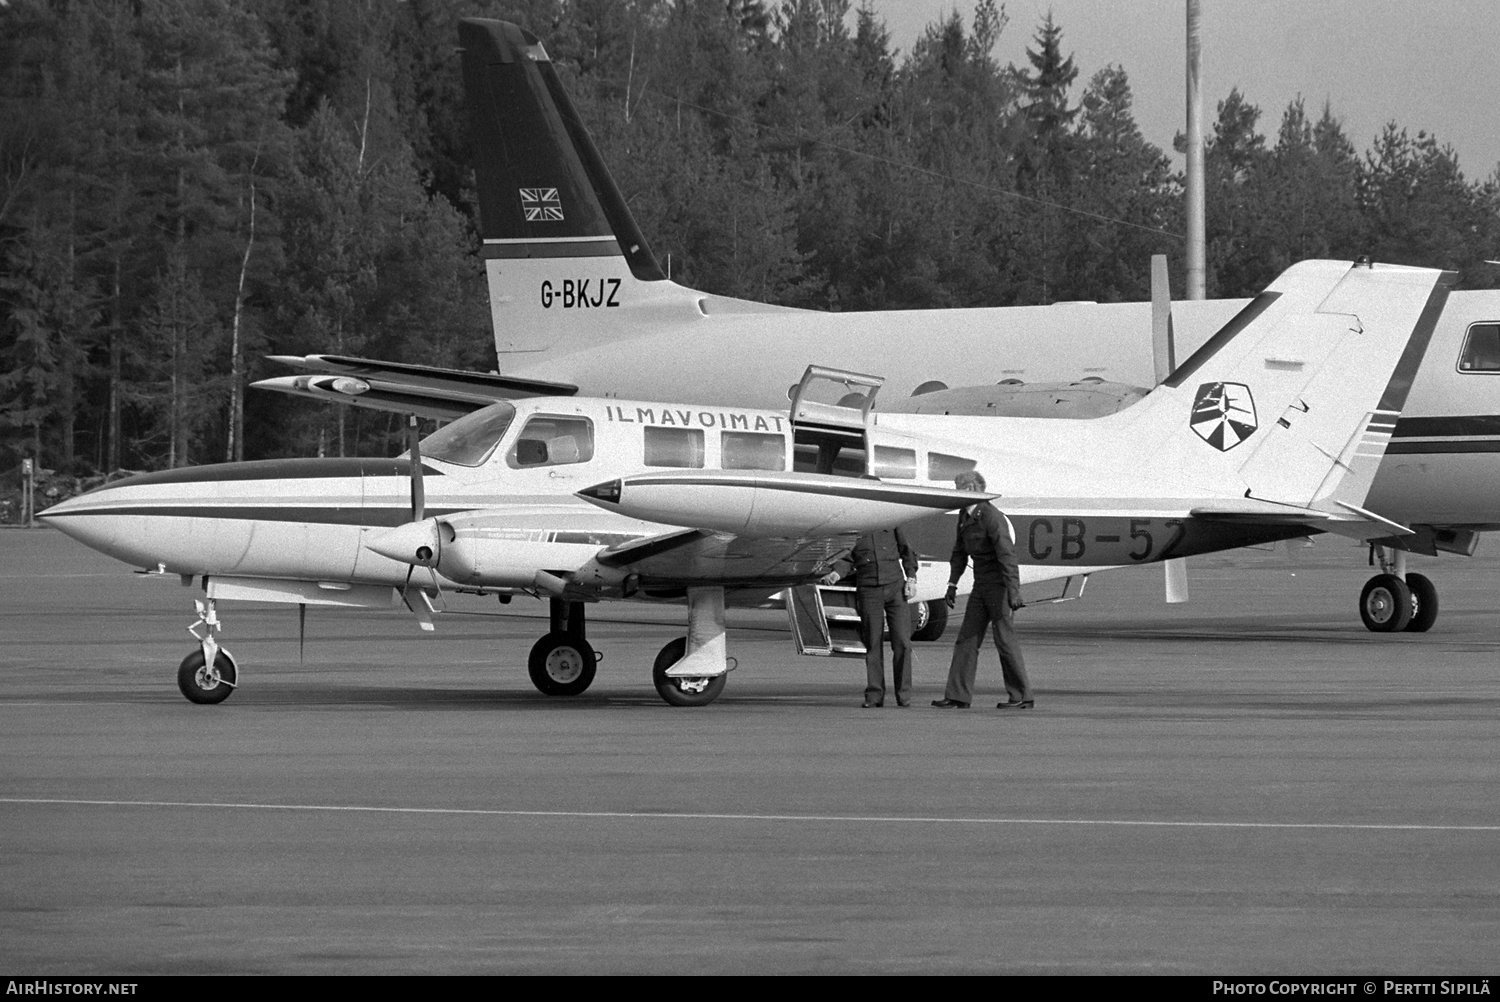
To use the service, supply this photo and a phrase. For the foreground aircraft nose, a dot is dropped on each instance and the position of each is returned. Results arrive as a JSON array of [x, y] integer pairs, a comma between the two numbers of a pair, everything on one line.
[[412, 543], [772, 503]]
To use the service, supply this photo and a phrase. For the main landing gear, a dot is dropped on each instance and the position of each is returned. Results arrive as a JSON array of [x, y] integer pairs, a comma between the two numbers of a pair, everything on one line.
[[1396, 599], [689, 671], [562, 663], [209, 674]]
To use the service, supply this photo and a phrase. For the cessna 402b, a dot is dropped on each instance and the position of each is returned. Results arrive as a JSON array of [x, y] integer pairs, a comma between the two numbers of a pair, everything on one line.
[[1197, 465], [578, 300]]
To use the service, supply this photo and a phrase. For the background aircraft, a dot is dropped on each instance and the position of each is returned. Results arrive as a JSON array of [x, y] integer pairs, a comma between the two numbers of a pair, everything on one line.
[[578, 300]]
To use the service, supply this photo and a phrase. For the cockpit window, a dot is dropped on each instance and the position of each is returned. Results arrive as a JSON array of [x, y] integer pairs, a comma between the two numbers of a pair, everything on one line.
[[1481, 349], [548, 440], [470, 440]]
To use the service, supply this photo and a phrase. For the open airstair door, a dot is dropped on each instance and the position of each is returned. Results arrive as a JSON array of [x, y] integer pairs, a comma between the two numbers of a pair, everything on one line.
[[829, 417], [825, 621]]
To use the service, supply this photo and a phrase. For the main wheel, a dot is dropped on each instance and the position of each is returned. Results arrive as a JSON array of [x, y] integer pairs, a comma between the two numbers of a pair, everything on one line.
[[683, 691], [199, 684], [562, 664], [928, 619], [1385, 604], [1424, 603]]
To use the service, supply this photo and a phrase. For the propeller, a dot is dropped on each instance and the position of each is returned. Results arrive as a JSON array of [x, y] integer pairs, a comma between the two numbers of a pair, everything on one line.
[[418, 493], [414, 543], [1164, 353]]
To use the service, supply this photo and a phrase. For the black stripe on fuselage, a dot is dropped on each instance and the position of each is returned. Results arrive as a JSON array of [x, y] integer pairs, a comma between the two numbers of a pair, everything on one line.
[[871, 493], [275, 469], [1449, 447], [1450, 426], [318, 515]]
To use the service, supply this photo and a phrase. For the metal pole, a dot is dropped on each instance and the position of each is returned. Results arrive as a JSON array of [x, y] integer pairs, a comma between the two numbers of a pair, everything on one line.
[[28, 493], [1197, 269]]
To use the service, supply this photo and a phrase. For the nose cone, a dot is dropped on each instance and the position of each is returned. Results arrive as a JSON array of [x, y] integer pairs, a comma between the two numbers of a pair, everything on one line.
[[608, 492], [412, 543], [86, 517]]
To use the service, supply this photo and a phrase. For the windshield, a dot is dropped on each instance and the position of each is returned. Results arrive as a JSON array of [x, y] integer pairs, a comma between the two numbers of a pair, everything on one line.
[[469, 440]]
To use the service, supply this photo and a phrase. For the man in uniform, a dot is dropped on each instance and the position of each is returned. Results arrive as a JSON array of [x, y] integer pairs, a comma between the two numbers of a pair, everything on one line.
[[885, 576], [986, 536]]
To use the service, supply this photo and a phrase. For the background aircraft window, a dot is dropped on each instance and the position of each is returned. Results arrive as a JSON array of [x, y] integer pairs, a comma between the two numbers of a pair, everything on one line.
[[1481, 349], [553, 441], [674, 447], [469, 440], [752, 450], [941, 467], [894, 464]]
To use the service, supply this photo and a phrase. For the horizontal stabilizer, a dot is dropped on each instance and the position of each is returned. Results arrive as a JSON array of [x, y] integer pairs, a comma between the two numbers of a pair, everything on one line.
[[425, 390]]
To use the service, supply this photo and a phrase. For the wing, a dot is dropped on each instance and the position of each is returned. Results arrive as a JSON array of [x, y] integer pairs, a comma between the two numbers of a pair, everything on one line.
[[425, 390], [686, 557]]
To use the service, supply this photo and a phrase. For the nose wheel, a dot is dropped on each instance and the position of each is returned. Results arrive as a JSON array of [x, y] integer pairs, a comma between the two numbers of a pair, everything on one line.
[[202, 684], [209, 674]]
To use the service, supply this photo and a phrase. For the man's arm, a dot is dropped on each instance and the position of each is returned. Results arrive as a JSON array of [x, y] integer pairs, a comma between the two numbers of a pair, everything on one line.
[[908, 555], [1005, 552]]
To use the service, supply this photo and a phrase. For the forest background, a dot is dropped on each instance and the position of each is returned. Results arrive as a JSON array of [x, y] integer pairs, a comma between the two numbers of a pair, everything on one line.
[[188, 185]]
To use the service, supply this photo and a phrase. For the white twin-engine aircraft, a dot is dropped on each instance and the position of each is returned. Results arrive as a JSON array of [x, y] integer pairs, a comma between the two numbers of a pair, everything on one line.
[[1273, 429]]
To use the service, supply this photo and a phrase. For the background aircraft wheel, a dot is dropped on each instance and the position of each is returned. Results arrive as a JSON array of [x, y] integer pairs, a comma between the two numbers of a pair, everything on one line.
[[928, 619], [194, 680], [683, 691], [1424, 603], [562, 664], [1385, 604]]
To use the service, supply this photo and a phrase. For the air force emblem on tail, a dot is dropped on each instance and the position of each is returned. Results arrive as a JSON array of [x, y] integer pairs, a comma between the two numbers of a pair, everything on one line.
[[1223, 414], [541, 205]]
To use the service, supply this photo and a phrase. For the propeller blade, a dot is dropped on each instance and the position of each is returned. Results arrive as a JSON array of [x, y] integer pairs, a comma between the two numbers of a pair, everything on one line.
[[418, 494]]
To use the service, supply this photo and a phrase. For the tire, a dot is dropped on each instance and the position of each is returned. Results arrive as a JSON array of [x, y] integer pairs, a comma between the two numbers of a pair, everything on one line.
[[929, 619], [194, 681], [562, 664], [683, 691], [1385, 604], [1424, 603]]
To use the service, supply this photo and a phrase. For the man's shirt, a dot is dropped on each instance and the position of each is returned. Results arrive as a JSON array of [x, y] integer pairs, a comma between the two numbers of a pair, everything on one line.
[[986, 537], [880, 558]]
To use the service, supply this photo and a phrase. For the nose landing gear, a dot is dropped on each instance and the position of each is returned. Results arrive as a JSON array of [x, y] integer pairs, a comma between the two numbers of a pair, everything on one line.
[[207, 675]]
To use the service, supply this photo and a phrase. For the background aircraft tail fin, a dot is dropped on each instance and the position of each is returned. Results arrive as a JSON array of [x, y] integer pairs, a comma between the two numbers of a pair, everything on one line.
[[563, 257], [543, 188]]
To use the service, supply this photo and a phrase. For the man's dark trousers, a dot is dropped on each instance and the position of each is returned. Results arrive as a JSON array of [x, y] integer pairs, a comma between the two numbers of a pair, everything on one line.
[[876, 605], [988, 605]]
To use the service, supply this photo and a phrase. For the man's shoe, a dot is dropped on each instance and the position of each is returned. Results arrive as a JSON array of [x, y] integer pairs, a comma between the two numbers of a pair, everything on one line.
[[950, 704], [870, 704], [902, 701], [1016, 704]]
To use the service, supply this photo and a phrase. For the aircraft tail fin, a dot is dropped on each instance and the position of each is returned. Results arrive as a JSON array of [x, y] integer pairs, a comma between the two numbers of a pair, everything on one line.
[[1294, 401], [562, 252]]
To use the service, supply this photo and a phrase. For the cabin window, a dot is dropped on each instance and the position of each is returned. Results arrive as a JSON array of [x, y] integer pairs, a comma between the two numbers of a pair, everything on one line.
[[894, 464], [941, 467], [1481, 349], [680, 447], [752, 450], [469, 440], [552, 441]]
